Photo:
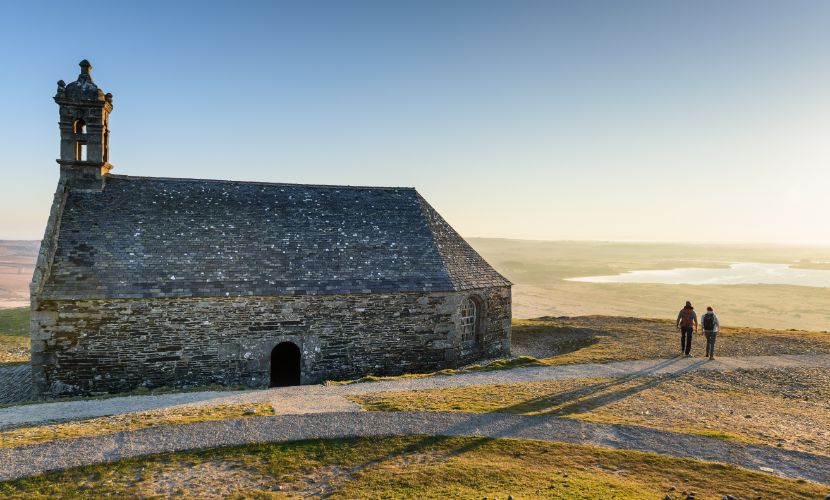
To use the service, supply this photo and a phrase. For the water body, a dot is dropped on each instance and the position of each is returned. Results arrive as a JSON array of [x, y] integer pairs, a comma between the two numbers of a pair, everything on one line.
[[741, 273]]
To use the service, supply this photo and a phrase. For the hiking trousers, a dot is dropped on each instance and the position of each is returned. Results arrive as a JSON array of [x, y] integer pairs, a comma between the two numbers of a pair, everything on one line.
[[686, 339], [710, 343]]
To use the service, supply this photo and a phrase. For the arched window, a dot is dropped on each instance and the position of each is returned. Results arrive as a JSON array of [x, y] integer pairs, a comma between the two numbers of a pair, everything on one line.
[[79, 126], [469, 319]]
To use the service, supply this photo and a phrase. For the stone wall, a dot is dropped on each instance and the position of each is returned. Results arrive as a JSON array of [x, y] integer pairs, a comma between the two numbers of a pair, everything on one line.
[[98, 346]]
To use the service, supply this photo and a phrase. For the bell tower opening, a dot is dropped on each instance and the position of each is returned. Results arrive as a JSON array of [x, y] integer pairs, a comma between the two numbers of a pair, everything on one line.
[[84, 127], [285, 365], [79, 126]]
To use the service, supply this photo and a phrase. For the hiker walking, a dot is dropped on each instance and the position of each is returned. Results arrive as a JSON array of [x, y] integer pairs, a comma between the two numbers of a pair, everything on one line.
[[687, 323], [711, 326]]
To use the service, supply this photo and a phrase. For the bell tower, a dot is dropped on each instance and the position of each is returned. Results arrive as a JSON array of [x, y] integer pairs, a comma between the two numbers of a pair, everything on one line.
[[84, 127]]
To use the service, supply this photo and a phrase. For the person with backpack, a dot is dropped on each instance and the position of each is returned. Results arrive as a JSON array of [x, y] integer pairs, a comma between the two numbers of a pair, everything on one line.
[[711, 326], [687, 323]]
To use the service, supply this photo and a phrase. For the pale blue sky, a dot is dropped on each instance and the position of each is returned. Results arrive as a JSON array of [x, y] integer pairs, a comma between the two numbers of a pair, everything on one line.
[[601, 120]]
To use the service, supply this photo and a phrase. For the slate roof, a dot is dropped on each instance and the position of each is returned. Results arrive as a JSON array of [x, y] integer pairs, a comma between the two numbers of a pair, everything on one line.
[[160, 237]]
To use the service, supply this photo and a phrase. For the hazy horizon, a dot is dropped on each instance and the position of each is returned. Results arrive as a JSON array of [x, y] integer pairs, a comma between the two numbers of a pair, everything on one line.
[[642, 121], [631, 242]]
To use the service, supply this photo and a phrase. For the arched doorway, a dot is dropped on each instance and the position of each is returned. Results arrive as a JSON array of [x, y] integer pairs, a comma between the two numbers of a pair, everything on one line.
[[285, 365]]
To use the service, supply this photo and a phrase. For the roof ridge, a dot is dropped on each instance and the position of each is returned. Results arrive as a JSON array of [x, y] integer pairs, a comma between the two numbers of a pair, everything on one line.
[[261, 183]]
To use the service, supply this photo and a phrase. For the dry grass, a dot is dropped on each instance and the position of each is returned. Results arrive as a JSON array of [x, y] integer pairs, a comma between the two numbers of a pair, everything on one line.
[[14, 349], [410, 467], [498, 364], [785, 408], [15, 321], [14, 335], [599, 339], [130, 422]]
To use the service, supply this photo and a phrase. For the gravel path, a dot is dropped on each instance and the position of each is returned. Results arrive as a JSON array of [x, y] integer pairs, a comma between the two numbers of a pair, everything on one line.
[[320, 398], [28, 460]]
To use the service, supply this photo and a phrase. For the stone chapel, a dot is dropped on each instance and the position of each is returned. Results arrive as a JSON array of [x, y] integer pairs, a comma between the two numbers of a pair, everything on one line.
[[150, 281]]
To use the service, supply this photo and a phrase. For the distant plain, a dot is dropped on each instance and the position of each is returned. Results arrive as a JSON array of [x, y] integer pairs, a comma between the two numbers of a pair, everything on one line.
[[539, 269], [17, 262]]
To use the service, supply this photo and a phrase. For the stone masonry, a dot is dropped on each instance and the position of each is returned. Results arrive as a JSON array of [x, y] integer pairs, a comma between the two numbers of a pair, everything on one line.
[[116, 345]]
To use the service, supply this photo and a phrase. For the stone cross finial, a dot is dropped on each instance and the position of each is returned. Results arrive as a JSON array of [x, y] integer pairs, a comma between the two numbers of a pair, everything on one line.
[[85, 69]]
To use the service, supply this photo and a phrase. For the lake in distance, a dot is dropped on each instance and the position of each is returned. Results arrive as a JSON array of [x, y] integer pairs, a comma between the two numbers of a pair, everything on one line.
[[740, 273]]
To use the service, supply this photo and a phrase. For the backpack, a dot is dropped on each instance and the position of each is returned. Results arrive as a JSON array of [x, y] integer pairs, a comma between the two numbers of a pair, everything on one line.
[[709, 321], [687, 317]]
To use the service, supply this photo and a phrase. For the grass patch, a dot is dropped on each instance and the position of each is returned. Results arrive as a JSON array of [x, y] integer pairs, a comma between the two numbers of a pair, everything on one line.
[[498, 364], [130, 422], [723, 436], [409, 467], [14, 322], [560, 397], [14, 335], [14, 349]]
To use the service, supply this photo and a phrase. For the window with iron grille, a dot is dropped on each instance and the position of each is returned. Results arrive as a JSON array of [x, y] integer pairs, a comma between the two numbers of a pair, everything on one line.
[[469, 313]]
